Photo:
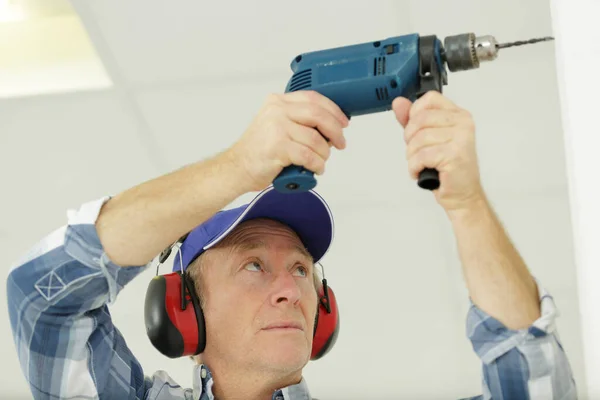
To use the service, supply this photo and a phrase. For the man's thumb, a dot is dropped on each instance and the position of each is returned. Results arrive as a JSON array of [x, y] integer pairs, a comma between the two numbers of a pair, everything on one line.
[[401, 107]]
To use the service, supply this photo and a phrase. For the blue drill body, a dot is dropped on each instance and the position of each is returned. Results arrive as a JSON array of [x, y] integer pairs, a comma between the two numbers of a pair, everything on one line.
[[359, 78], [364, 79]]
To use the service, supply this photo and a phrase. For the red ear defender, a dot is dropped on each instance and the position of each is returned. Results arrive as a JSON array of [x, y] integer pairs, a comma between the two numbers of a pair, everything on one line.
[[327, 324], [174, 319]]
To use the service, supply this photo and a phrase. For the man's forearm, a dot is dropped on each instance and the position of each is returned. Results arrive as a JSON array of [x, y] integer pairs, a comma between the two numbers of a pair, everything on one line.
[[496, 276], [136, 225]]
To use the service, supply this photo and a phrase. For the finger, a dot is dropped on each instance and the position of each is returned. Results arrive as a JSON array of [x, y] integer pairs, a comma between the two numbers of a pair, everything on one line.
[[431, 100], [304, 156], [430, 119], [310, 138], [428, 137], [311, 96], [314, 116], [427, 157], [401, 107]]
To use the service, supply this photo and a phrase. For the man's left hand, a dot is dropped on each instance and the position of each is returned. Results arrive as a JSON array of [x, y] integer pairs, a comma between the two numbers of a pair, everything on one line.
[[441, 135]]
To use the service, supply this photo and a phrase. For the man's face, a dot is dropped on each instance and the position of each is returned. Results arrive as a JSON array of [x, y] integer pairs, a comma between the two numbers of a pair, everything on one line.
[[260, 299]]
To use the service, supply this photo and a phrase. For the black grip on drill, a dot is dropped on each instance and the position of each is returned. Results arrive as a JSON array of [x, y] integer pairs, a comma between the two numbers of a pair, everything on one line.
[[429, 179], [430, 78]]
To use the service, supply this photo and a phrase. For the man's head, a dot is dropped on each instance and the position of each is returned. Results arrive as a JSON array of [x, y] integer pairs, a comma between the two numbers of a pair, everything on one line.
[[253, 270], [258, 291]]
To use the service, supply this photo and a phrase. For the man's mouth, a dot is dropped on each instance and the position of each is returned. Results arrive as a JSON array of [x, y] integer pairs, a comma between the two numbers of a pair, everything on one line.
[[284, 325]]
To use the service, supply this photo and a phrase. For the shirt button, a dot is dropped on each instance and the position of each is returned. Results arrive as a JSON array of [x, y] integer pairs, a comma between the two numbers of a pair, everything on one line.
[[203, 373]]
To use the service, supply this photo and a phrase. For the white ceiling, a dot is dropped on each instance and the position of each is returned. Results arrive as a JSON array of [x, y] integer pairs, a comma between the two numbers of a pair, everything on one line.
[[189, 76]]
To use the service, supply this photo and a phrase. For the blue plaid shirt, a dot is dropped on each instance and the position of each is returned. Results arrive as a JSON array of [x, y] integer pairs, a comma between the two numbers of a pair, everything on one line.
[[68, 347]]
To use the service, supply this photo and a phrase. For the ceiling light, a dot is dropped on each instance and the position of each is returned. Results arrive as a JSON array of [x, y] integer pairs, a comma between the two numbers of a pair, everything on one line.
[[11, 11]]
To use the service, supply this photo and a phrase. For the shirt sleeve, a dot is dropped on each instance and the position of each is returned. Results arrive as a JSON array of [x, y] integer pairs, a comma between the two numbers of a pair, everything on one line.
[[522, 364], [62, 328]]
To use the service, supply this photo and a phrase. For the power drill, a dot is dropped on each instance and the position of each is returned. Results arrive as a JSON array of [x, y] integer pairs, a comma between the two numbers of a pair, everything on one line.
[[365, 78]]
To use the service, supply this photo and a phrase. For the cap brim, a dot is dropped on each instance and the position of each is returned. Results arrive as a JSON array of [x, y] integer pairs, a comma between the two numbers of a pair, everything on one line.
[[306, 213]]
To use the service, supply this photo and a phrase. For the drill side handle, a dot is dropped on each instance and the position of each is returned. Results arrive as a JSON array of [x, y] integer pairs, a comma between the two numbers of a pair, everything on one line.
[[432, 76], [295, 178]]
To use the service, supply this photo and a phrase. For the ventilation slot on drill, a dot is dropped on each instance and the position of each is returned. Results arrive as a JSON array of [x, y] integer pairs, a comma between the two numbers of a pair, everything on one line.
[[301, 80], [379, 66], [382, 94]]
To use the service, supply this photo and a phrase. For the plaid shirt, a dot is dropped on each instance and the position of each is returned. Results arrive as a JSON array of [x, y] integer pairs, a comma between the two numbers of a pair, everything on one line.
[[68, 347]]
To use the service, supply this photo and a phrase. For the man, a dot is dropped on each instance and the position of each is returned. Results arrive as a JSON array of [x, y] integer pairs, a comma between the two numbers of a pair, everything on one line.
[[254, 267]]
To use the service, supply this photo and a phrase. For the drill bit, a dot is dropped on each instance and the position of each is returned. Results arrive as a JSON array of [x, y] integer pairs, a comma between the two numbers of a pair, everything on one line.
[[523, 42]]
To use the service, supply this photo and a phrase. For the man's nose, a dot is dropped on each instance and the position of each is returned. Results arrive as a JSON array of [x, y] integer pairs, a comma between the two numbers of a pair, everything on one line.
[[285, 289]]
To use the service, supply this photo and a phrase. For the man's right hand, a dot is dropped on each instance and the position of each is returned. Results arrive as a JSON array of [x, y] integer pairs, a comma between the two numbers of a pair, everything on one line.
[[291, 128], [139, 223]]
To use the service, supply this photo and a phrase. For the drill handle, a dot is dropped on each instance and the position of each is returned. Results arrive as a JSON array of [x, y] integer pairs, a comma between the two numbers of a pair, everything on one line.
[[295, 179]]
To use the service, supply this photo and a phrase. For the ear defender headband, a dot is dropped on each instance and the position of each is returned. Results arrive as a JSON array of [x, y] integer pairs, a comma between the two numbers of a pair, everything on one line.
[[175, 322]]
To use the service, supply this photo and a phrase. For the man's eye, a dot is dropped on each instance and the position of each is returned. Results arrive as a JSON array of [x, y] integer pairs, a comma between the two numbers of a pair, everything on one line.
[[303, 271], [253, 266]]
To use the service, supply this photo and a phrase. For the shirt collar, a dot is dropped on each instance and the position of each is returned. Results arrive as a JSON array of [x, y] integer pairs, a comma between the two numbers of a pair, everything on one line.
[[203, 383]]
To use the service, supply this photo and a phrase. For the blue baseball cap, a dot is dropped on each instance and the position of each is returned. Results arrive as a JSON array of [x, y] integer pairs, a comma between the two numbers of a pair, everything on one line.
[[306, 213]]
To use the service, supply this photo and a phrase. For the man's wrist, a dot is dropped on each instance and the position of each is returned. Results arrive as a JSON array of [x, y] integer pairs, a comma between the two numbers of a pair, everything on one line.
[[472, 211], [235, 173]]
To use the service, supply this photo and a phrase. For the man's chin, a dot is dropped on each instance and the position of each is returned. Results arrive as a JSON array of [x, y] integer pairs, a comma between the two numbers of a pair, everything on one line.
[[286, 355]]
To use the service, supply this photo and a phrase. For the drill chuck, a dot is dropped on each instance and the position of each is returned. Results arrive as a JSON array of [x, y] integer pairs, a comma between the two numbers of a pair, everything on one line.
[[486, 48], [466, 51]]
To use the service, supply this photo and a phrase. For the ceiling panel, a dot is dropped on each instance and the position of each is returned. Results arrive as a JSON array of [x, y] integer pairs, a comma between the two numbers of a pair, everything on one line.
[[158, 42], [507, 20], [61, 151]]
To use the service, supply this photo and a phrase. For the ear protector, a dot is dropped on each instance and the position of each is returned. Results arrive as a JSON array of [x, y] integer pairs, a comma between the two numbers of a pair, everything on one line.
[[175, 321]]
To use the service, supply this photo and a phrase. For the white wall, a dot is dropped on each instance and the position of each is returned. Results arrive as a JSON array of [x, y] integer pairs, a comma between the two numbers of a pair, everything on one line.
[[575, 24]]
